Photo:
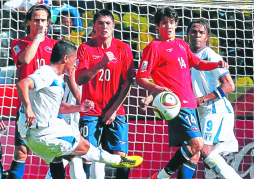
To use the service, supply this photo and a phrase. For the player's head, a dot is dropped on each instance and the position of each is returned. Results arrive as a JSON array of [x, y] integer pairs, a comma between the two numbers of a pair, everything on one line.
[[67, 20], [65, 53], [166, 22], [103, 24], [198, 33], [37, 15]]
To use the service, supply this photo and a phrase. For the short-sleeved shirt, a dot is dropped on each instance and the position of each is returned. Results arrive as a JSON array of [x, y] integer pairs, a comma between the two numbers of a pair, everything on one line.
[[42, 56], [169, 65], [105, 87], [205, 82], [45, 98]]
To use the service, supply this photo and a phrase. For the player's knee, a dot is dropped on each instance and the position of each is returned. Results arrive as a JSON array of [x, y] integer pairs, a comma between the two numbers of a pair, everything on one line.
[[196, 145], [20, 153]]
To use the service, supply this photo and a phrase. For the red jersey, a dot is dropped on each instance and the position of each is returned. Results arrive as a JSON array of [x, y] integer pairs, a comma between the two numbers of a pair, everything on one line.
[[105, 87], [42, 56], [169, 65]]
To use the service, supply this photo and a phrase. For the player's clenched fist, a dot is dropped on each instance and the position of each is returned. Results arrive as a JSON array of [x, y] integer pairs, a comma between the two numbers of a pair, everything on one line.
[[223, 64], [86, 106], [42, 30], [107, 58]]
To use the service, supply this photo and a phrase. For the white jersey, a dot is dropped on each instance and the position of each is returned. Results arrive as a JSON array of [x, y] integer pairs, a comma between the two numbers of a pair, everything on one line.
[[45, 98], [205, 82]]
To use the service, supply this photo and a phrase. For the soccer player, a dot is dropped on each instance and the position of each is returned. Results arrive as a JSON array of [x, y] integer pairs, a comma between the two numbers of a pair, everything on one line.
[[29, 54], [215, 111], [168, 60], [43, 132], [106, 71]]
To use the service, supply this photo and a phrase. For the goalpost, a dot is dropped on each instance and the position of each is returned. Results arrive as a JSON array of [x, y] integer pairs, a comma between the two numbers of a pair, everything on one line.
[[232, 37]]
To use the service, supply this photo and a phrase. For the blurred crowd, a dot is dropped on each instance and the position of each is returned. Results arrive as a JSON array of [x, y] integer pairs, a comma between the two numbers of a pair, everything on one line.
[[232, 29]]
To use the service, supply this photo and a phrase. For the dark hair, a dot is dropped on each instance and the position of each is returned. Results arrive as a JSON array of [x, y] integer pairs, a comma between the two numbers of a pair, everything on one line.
[[165, 12], [204, 23], [30, 13], [61, 48], [102, 12], [64, 14]]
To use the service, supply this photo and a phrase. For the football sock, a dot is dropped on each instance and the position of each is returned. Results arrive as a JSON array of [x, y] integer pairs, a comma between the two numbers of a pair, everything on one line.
[[76, 169], [17, 169], [186, 171], [87, 168], [122, 173], [48, 175], [220, 167], [99, 155], [181, 156], [57, 170], [98, 170]]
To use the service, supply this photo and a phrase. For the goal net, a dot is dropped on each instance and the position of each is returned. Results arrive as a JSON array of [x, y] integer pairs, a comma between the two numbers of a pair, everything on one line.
[[232, 37]]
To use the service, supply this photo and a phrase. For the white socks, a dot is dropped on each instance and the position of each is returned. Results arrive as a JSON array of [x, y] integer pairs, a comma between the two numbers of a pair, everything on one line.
[[99, 155], [97, 170], [162, 174], [220, 167], [76, 169]]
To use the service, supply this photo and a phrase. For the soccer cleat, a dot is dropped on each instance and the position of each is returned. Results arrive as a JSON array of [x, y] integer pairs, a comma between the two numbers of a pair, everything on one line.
[[129, 161], [155, 176]]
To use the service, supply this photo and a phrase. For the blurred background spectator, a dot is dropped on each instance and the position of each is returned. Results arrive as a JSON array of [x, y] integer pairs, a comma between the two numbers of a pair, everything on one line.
[[59, 6], [64, 28]]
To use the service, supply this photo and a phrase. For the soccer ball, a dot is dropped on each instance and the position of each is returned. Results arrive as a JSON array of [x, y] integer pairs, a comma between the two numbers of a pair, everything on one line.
[[166, 105]]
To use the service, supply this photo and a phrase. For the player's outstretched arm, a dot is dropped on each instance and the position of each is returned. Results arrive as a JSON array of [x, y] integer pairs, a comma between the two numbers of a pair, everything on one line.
[[207, 66], [227, 86], [66, 108], [23, 88]]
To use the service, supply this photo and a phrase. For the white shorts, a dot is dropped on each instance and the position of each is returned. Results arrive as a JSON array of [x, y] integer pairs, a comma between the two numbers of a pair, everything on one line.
[[219, 129], [50, 142]]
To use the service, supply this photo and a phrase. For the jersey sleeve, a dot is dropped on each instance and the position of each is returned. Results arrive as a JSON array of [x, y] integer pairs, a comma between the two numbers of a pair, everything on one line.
[[41, 79], [83, 58], [16, 50], [147, 63], [192, 58], [128, 68], [218, 72]]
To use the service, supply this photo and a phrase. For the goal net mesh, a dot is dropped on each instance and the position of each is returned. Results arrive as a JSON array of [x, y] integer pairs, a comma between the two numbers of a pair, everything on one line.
[[232, 37]]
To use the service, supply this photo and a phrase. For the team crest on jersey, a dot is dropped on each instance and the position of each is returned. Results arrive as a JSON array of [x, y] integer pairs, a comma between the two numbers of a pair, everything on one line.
[[144, 66], [96, 57], [114, 60], [181, 47], [169, 50], [194, 129], [48, 49], [16, 49]]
